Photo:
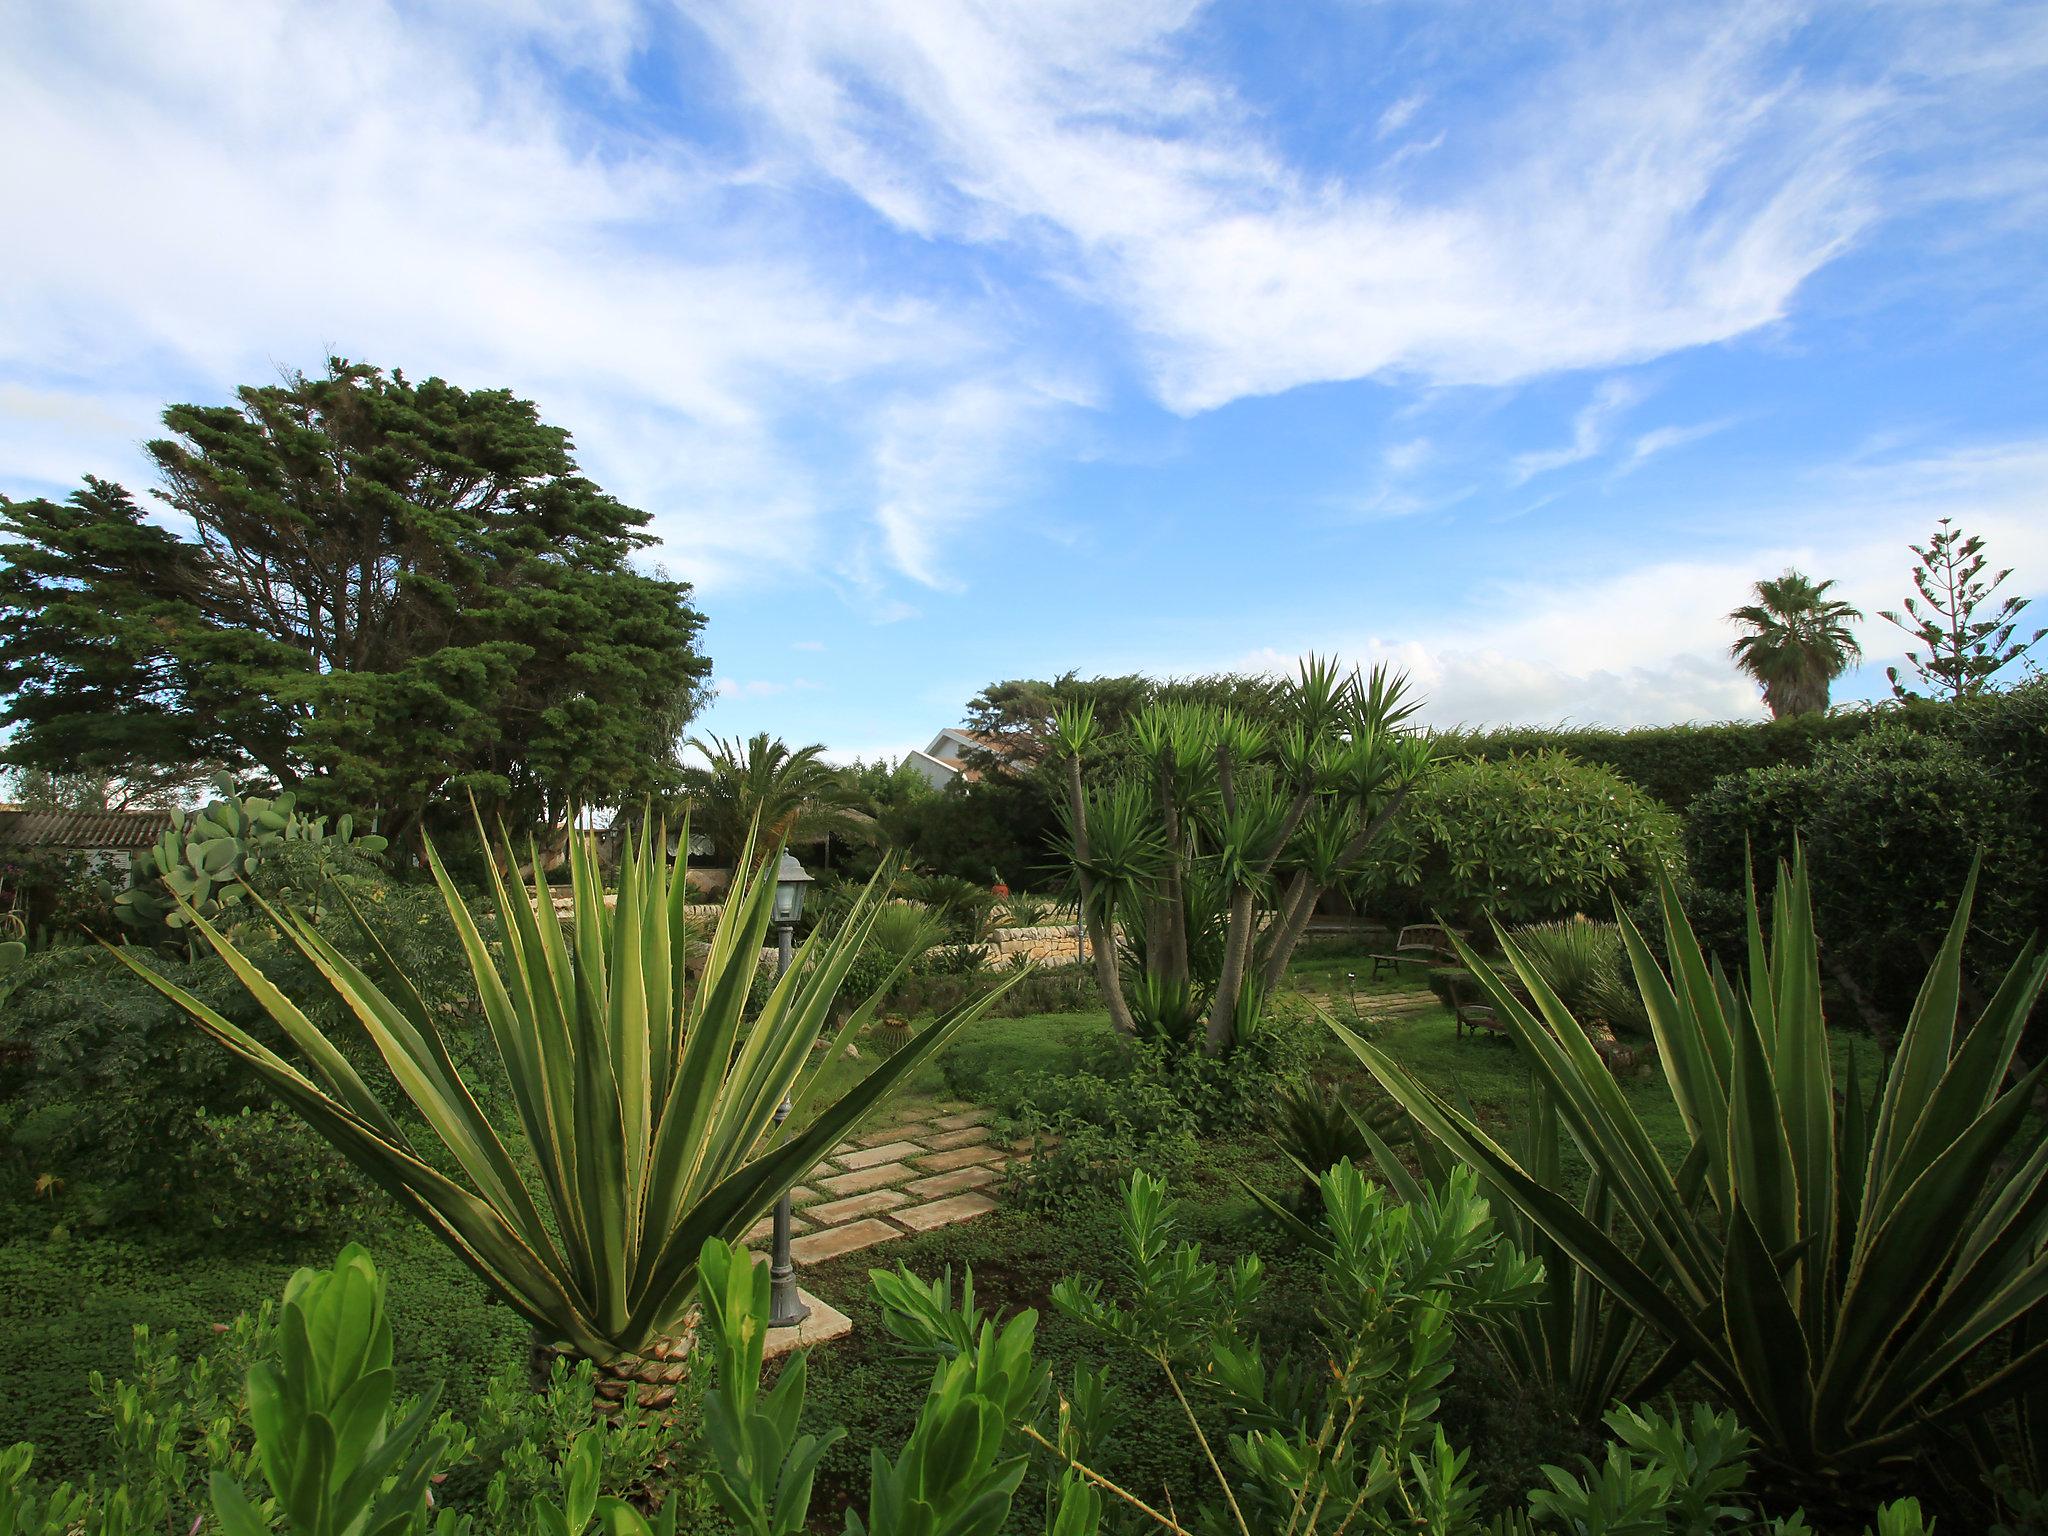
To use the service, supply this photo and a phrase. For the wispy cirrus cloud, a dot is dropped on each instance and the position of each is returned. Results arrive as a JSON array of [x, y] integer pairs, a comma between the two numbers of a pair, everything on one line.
[[1661, 187], [1592, 429]]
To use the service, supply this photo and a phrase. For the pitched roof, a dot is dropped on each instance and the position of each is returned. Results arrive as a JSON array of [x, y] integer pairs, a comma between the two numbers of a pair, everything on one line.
[[133, 831]]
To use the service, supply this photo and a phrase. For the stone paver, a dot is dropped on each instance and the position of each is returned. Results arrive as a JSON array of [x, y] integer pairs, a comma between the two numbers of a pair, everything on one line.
[[887, 1152], [943, 1213], [945, 1141], [959, 1157], [835, 1212], [861, 1180], [934, 1166], [951, 1183], [764, 1229], [834, 1242], [884, 1135]]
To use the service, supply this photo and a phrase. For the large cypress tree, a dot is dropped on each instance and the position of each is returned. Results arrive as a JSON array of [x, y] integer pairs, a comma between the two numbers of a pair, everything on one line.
[[391, 594]]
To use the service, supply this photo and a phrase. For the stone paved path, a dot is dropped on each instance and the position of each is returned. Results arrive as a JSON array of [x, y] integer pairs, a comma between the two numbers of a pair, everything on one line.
[[916, 1171]]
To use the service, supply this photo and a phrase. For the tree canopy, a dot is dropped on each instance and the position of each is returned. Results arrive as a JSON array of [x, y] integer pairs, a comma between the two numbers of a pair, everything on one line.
[[390, 593]]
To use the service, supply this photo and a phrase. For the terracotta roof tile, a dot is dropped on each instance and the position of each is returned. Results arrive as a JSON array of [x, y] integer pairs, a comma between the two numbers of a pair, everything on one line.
[[133, 831]]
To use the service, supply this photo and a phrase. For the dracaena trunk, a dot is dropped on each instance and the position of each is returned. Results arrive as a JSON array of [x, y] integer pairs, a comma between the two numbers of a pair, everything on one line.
[[1222, 1027], [1101, 932]]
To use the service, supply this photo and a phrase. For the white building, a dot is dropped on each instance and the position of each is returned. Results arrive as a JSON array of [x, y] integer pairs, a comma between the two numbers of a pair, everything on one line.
[[946, 758]]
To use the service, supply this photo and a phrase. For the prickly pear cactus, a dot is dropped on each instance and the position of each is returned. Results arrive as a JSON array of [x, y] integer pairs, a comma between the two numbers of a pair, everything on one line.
[[205, 856]]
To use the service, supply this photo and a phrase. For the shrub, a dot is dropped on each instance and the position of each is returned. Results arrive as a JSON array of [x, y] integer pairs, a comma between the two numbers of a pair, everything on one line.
[[52, 897], [1678, 763], [1891, 824], [1517, 840], [1585, 964], [114, 1095], [1088, 1131], [263, 1173]]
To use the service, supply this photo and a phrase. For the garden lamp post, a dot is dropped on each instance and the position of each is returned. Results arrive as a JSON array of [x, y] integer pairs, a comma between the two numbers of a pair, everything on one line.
[[785, 1308]]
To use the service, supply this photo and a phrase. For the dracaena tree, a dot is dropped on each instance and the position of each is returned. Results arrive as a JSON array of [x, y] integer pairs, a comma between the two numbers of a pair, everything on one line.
[[1201, 839]]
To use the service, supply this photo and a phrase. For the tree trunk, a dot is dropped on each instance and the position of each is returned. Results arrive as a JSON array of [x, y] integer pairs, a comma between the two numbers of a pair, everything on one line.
[[1302, 896], [1101, 931], [1237, 943]]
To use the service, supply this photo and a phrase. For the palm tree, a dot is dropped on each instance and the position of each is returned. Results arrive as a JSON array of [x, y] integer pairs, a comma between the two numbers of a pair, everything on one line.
[[791, 796], [1797, 642]]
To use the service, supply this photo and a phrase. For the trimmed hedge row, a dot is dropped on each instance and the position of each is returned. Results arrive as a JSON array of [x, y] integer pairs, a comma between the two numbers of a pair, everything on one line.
[[1678, 763]]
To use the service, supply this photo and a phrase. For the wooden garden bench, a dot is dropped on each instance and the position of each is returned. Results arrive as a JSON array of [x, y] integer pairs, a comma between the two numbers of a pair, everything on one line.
[[1418, 944]]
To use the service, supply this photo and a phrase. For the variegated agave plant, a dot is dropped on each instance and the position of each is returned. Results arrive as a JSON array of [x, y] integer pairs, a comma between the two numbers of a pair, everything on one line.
[[644, 1096]]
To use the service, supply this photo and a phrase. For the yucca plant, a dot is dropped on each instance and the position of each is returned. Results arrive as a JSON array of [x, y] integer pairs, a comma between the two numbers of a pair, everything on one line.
[[1851, 1276], [645, 1100]]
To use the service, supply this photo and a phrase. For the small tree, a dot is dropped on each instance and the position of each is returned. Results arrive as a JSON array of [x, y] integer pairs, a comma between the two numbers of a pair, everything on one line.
[[1963, 652], [1202, 839]]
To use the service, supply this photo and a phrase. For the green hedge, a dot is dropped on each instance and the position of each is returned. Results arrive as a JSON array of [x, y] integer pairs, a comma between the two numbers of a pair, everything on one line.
[[1676, 763], [1891, 823]]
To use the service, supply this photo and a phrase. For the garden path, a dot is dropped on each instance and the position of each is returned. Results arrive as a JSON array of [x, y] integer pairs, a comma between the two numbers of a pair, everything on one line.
[[929, 1167]]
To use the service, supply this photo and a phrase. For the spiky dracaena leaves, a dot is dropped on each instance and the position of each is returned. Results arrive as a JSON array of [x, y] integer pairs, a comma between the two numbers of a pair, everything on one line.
[[645, 1096], [1857, 1274]]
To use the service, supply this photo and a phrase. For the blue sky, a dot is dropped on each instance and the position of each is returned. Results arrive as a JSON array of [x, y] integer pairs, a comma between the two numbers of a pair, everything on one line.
[[947, 343]]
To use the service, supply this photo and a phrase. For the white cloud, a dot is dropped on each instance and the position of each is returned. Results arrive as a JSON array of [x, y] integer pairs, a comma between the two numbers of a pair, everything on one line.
[[941, 459], [1399, 113], [1591, 429], [1663, 439], [761, 688], [227, 194], [1664, 187]]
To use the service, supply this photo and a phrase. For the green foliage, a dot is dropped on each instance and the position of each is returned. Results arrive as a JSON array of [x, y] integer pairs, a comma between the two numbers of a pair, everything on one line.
[[1663, 1474], [399, 593], [1088, 1131], [112, 1092], [49, 896], [1675, 764], [1318, 1129], [533, 1444], [953, 1476], [1516, 840], [1855, 1281], [1892, 823], [1201, 838], [763, 794], [336, 1457], [1342, 1432], [208, 859]]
